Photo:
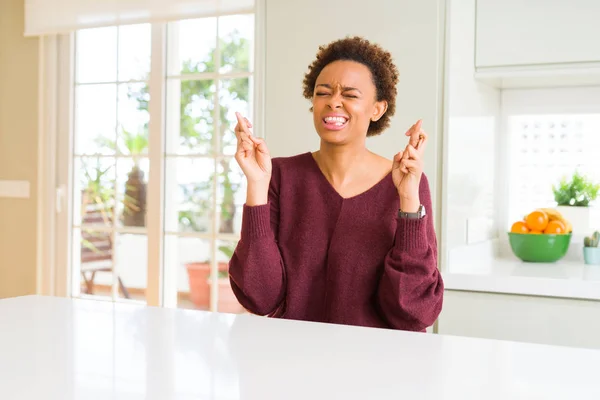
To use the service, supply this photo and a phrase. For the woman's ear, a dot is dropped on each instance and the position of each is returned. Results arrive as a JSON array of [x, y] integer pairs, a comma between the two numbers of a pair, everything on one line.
[[379, 109]]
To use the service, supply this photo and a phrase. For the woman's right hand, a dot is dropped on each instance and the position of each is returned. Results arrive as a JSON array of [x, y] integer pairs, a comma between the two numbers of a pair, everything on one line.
[[253, 157]]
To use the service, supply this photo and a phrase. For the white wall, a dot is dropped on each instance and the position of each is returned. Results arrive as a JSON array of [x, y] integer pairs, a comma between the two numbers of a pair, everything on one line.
[[18, 151], [473, 115], [412, 31]]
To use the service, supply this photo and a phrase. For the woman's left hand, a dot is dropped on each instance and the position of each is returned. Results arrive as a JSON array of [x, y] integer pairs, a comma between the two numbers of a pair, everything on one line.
[[407, 169]]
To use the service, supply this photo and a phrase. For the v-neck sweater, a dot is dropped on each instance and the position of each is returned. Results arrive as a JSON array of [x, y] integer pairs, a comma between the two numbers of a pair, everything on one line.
[[310, 254]]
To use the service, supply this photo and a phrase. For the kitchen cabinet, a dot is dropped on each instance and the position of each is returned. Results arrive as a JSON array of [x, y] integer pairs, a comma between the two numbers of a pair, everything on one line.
[[517, 33], [533, 319]]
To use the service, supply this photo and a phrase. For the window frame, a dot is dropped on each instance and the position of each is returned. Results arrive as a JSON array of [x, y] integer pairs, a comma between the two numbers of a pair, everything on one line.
[[56, 132]]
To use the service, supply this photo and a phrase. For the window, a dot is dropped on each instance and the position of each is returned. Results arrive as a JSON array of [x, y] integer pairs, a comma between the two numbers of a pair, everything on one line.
[[552, 133], [208, 76], [545, 149], [110, 162], [208, 80]]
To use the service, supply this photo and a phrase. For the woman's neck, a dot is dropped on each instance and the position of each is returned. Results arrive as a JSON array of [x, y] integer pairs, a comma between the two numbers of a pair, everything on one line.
[[341, 164]]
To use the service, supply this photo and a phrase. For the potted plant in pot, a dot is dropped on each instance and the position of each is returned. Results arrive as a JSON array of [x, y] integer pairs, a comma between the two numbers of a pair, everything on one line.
[[199, 271], [591, 249], [134, 196], [227, 302], [200, 283], [573, 198], [134, 201]]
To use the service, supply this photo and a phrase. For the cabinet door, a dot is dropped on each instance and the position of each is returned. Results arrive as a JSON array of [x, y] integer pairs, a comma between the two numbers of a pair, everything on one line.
[[544, 320], [530, 32]]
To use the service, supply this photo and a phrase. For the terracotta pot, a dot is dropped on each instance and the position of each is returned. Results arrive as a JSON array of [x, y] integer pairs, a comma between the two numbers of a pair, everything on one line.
[[228, 303], [198, 276]]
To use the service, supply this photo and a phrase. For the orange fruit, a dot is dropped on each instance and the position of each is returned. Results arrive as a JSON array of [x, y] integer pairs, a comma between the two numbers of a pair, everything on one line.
[[537, 221], [555, 227], [519, 227], [535, 232]]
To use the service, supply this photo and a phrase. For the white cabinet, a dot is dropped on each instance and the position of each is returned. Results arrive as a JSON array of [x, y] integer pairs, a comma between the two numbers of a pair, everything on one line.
[[516, 33], [555, 321]]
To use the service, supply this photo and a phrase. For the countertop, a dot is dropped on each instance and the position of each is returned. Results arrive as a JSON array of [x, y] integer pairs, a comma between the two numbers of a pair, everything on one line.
[[63, 349], [565, 279]]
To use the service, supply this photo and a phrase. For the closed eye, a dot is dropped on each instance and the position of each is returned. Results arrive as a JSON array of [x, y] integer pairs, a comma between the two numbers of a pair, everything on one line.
[[322, 94]]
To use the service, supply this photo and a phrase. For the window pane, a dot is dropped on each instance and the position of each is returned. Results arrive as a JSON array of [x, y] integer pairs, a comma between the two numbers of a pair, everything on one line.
[[94, 261], [133, 119], [96, 55], [227, 302], [236, 34], [134, 52], [95, 119], [132, 185], [190, 116], [191, 46], [188, 194], [190, 257], [95, 191], [234, 96], [131, 260], [231, 196]]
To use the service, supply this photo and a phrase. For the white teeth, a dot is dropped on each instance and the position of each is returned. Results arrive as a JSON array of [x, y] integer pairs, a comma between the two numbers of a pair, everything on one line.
[[337, 120]]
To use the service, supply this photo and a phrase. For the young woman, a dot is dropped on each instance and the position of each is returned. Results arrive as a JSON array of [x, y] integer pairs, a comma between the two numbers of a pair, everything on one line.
[[341, 235]]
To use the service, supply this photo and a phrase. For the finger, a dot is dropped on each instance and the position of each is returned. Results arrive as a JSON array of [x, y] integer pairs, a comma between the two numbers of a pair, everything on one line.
[[398, 157], [416, 134], [412, 153], [415, 127], [238, 127], [411, 165], [242, 124], [248, 123], [403, 167], [421, 144], [260, 144]]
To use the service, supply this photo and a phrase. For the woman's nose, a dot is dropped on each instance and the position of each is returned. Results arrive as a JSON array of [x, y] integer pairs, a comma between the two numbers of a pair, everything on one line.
[[335, 101]]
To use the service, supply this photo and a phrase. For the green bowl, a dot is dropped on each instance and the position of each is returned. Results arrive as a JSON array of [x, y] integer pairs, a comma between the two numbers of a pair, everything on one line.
[[539, 247]]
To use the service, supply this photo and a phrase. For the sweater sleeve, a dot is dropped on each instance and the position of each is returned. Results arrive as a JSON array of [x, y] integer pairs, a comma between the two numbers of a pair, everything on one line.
[[256, 270], [410, 292]]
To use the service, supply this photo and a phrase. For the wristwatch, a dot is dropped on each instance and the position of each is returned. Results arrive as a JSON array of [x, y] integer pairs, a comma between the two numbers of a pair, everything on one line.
[[416, 215]]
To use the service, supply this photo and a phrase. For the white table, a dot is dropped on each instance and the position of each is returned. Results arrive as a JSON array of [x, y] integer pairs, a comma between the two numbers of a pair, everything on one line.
[[61, 349]]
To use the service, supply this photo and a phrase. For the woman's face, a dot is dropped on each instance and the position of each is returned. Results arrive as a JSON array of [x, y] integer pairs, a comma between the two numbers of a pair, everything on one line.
[[344, 102]]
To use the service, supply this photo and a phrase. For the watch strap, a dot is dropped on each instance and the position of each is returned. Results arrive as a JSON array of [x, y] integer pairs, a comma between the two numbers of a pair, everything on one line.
[[416, 215]]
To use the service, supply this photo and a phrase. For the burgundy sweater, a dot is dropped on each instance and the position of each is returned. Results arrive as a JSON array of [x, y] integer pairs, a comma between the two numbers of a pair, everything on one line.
[[310, 254]]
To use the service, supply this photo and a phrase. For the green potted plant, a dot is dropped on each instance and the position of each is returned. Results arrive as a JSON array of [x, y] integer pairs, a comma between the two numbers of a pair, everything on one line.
[[134, 196], [591, 249], [134, 202], [574, 198]]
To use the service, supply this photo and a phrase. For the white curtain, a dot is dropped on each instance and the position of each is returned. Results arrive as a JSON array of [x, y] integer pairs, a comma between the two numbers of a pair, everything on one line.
[[47, 17]]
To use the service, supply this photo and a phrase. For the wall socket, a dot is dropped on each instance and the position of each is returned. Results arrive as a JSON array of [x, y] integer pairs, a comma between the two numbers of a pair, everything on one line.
[[14, 189]]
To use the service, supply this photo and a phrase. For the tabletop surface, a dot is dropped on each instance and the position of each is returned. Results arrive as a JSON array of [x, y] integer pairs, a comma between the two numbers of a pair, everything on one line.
[[63, 349]]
